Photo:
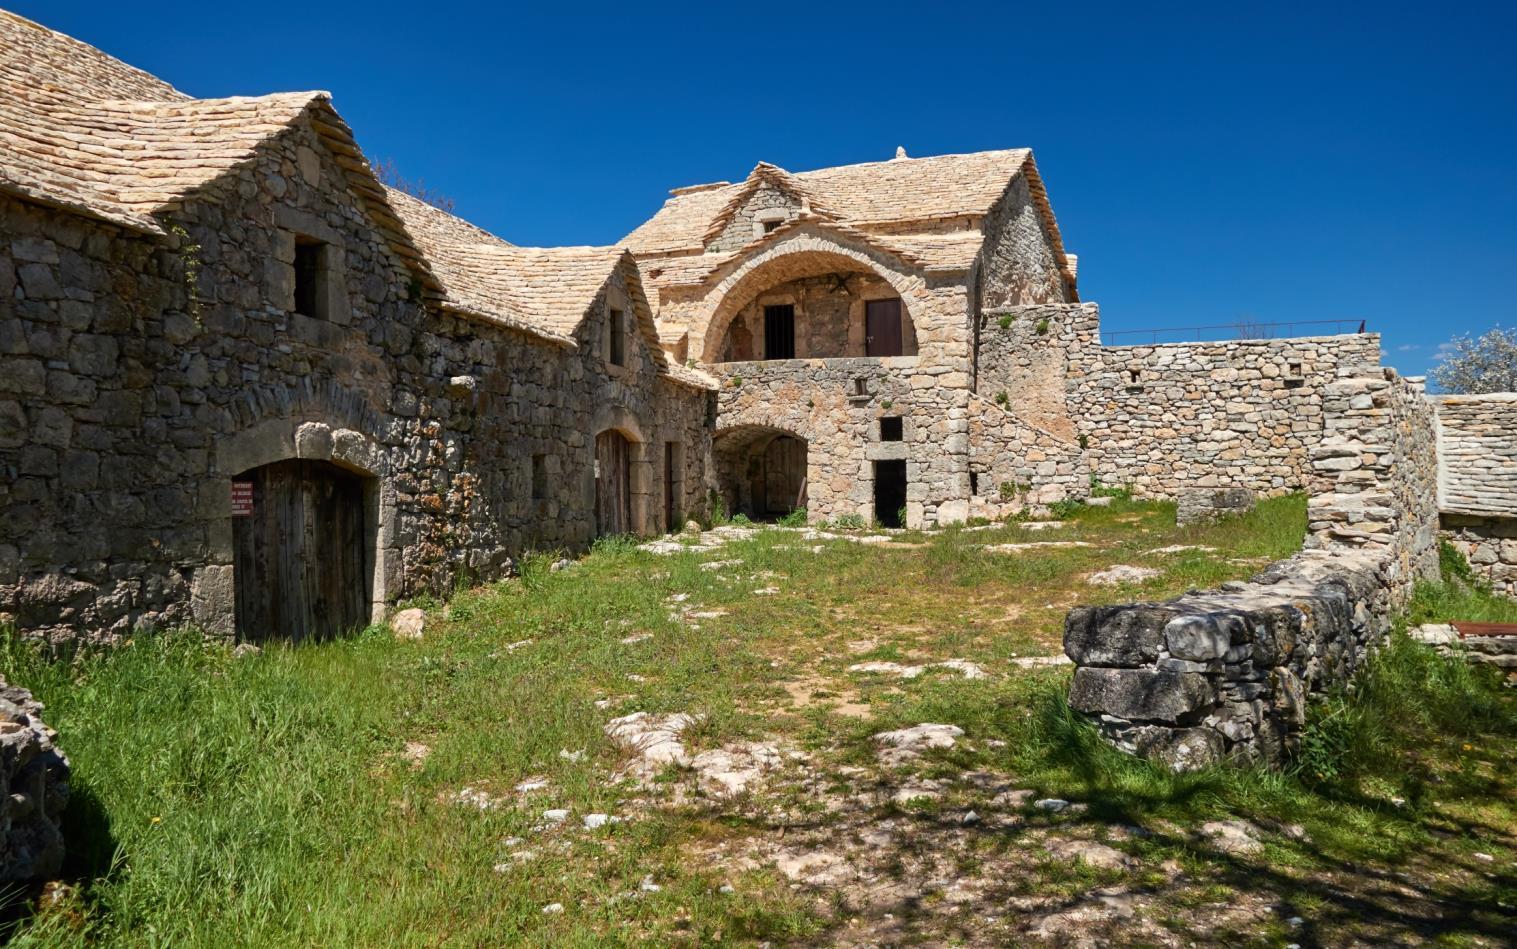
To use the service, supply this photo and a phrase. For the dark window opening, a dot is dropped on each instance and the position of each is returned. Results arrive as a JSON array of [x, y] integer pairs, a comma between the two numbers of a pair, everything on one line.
[[618, 338], [890, 428], [779, 332], [974, 483], [769, 226], [539, 477], [890, 493], [310, 277], [1133, 375]]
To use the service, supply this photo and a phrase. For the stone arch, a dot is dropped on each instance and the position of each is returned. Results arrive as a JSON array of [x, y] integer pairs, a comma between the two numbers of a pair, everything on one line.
[[804, 252], [761, 470], [624, 422]]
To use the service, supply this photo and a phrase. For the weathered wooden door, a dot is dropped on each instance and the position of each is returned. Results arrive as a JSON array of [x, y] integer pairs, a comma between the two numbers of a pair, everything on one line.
[[613, 484], [299, 563], [882, 328], [671, 484], [784, 472]]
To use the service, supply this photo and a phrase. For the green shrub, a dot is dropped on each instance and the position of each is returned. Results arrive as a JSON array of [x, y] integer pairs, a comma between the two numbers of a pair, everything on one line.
[[796, 518], [1005, 321]]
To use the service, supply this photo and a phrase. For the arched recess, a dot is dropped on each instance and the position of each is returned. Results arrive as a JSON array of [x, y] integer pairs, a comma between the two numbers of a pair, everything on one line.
[[622, 469], [761, 470], [324, 482], [804, 253]]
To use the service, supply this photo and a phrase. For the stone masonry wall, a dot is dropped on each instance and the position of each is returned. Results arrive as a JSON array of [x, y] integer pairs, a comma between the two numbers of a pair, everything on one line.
[[1477, 487], [829, 318], [1209, 676], [1018, 262], [127, 404], [1199, 415], [836, 404]]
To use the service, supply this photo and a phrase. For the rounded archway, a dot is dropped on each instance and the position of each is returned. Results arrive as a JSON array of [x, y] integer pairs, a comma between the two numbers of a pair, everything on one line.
[[836, 278], [761, 471]]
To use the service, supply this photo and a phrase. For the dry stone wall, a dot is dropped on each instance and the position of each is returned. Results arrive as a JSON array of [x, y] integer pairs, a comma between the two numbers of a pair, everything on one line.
[[34, 790], [1228, 674], [1477, 487], [137, 377], [1212, 415]]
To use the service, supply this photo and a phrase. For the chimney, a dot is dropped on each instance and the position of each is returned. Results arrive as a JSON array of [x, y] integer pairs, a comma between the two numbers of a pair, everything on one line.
[[900, 151]]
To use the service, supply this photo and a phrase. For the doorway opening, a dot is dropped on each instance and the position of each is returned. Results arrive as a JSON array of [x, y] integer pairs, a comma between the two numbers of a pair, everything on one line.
[[890, 492], [613, 484], [301, 560]]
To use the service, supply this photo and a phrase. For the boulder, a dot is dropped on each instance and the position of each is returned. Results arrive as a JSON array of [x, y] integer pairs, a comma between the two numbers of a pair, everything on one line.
[[408, 624]]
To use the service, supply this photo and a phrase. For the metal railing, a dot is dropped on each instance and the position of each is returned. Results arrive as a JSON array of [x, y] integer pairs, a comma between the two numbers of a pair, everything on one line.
[[1242, 329]]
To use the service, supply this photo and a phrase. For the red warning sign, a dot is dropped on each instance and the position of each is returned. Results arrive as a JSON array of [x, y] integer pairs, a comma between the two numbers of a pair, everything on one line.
[[242, 499]]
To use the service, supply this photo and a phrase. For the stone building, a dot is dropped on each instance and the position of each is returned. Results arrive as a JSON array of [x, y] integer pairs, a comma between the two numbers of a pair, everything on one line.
[[841, 308], [244, 386]]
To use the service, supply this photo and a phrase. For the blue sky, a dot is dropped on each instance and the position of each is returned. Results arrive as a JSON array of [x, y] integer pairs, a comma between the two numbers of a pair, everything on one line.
[[1208, 165]]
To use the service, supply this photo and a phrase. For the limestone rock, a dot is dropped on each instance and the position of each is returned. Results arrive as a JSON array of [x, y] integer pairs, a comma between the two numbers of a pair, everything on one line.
[[409, 624], [1122, 573], [34, 776], [905, 745]]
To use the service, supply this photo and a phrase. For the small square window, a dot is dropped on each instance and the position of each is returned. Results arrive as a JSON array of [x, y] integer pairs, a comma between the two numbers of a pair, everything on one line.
[[618, 329], [890, 428], [310, 278], [770, 226], [539, 477], [974, 483]]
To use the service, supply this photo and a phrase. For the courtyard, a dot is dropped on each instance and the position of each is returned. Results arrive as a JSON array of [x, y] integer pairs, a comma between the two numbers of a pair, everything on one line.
[[769, 734]]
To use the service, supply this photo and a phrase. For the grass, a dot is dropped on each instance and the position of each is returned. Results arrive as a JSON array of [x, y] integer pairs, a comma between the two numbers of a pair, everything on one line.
[[271, 799]]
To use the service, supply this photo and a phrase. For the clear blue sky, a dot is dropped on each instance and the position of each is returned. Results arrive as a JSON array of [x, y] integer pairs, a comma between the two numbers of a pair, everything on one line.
[[1207, 164]]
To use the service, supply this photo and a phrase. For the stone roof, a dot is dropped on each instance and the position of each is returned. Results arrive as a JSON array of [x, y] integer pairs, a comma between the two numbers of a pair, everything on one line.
[[83, 131], [544, 291], [901, 190]]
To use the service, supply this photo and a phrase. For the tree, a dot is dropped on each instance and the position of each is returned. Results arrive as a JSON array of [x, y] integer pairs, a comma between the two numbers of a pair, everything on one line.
[[1477, 366], [388, 174]]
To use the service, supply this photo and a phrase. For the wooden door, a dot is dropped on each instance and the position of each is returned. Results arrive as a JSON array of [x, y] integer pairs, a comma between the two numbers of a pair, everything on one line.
[[882, 328], [784, 472], [672, 481], [300, 559], [613, 484]]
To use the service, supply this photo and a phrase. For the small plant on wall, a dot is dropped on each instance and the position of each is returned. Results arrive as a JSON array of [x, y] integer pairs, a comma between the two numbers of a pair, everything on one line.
[[189, 256], [1005, 321]]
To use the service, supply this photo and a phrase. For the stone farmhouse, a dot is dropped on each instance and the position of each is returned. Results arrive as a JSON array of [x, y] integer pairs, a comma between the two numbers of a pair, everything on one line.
[[246, 386]]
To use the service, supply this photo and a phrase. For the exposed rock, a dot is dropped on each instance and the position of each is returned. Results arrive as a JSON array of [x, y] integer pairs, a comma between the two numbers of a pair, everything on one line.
[[409, 624], [243, 650], [652, 741], [905, 745], [888, 668], [1122, 573], [1232, 836], [34, 776], [1089, 852], [734, 769]]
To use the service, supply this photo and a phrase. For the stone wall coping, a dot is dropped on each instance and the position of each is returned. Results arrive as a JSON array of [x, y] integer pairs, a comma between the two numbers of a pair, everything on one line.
[[1281, 341]]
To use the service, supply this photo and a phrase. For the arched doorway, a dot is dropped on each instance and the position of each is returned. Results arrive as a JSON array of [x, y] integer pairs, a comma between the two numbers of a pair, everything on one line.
[[300, 551], [613, 484], [761, 471]]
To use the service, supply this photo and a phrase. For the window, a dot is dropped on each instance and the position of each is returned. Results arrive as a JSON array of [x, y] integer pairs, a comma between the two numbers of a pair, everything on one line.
[[674, 469], [310, 278], [618, 327], [974, 483], [771, 225], [779, 332], [890, 428], [539, 477]]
